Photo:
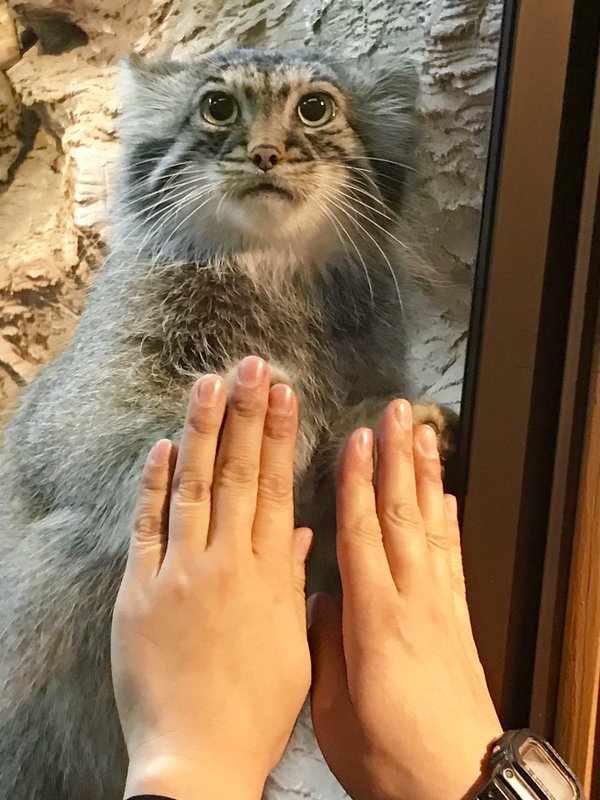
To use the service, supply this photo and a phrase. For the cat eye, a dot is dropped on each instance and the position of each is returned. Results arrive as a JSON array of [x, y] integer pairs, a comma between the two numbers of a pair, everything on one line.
[[219, 108], [316, 109]]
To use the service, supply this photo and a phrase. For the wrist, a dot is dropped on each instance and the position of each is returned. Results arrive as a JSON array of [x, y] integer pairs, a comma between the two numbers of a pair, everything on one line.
[[188, 779], [484, 773]]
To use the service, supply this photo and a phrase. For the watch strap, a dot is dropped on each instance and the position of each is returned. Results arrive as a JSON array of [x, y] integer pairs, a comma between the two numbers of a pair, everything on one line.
[[491, 791]]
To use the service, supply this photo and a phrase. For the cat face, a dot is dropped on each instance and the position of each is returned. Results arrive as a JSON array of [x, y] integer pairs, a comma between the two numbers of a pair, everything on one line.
[[254, 150]]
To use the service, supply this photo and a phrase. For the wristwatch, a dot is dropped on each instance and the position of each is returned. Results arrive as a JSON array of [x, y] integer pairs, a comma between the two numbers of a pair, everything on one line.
[[524, 766]]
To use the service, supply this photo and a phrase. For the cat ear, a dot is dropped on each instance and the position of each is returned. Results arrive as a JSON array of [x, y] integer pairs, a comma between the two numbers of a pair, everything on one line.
[[152, 93], [388, 77], [141, 78], [382, 94]]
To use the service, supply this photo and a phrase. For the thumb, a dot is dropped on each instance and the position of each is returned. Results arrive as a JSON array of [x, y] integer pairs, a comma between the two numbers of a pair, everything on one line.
[[301, 544], [340, 735], [326, 651]]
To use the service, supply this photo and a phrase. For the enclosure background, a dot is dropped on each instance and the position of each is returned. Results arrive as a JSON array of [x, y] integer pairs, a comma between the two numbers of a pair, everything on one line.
[[58, 115]]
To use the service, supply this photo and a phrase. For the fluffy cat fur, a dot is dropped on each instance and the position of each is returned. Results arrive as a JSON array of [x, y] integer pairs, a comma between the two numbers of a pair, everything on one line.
[[205, 267]]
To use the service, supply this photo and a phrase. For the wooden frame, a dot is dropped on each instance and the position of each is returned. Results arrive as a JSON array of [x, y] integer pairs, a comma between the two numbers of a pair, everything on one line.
[[529, 356], [577, 726]]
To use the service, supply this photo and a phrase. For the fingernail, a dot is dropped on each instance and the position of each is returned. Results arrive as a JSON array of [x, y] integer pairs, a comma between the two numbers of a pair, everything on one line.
[[451, 507], [251, 371], [427, 442], [404, 414], [209, 389], [281, 398], [159, 454], [365, 441]]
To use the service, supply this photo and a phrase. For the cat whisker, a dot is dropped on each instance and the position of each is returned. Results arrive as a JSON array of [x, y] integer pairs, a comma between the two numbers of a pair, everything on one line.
[[164, 217], [174, 182], [164, 190], [370, 207], [377, 225], [377, 245], [183, 221], [368, 173], [161, 211], [141, 161], [144, 182], [170, 195], [389, 213], [331, 215], [353, 186], [161, 202], [221, 201], [384, 160]]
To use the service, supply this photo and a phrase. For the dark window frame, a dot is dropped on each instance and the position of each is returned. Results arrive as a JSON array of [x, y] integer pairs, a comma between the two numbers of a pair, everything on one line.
[[528, 359]]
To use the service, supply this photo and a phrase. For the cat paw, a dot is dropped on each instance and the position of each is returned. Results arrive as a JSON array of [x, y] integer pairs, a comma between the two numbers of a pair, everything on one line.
[[368, 413], [445, 423], [278, 375]]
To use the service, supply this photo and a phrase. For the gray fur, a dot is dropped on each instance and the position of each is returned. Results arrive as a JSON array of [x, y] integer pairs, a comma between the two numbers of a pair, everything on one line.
[[178, 297]]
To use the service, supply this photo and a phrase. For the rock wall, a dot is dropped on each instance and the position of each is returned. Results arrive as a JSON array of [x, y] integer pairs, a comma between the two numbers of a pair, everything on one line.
[[58, 144]]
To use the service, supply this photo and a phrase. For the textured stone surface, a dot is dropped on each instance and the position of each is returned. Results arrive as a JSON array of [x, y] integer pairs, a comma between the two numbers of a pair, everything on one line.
[[9, 120], [53, 199], [454, 42], [9, 43]]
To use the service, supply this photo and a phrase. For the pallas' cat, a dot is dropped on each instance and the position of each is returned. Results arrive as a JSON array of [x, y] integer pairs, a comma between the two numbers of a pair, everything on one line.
[[255, 212]]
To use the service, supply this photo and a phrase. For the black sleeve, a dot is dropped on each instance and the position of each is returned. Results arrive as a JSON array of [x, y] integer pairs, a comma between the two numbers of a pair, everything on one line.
[[150, 797]]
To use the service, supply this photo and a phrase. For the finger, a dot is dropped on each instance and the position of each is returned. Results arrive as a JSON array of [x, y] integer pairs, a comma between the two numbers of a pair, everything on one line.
[[364, 568], [461, 607], [189, 515], [149, 535], [430, 495], [335, 721], [274, 518], [301, 543], [329, 684], [453, 537], [397, 508], [238, 459]]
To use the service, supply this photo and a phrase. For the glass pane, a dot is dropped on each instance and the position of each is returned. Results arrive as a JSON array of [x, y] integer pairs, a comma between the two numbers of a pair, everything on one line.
[[319, 209], [545, 773]]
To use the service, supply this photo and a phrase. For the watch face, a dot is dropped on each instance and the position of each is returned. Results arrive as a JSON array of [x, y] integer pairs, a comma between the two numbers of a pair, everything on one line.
[[546, 772]]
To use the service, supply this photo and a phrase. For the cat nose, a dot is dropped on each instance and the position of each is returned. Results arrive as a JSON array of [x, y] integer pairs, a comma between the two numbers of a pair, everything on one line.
[[265, 156]]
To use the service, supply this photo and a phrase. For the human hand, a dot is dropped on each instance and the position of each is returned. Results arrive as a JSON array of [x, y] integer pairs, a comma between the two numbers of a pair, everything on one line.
[[400, 704], [209, 653]]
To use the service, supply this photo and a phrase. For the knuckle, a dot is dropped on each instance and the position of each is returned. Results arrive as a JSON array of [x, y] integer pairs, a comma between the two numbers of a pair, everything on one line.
[[191, 488], [437, 538], [180, 587], [231, 571], [365, 527], [404, 449], [147, 523], [227, 575], [203, 422], [235, 471], [433, 473], [275, 487], [153, 479], [401, 514], [247, 405], [279, 427]]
